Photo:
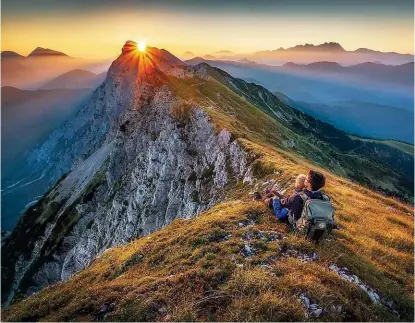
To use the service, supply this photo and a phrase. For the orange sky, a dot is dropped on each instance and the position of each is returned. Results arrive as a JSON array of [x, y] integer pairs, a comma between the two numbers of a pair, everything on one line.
[[102, 33]]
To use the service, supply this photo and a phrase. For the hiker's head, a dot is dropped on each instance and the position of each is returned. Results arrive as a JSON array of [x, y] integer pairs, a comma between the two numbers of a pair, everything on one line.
[[299, 182], [314, 180]]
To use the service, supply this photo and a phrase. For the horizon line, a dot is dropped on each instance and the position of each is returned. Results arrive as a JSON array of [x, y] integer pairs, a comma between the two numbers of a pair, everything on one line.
[[233, 52]]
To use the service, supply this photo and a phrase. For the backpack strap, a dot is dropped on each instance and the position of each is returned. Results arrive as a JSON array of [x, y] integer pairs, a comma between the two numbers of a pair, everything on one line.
[[291, 218], [325, 197], [303, 196]]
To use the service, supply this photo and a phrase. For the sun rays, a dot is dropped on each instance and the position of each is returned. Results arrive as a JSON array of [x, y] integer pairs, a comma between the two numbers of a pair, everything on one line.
[[138, 56]]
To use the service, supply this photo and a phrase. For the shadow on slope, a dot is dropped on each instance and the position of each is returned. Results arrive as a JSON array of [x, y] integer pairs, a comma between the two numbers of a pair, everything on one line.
[[28, 118]]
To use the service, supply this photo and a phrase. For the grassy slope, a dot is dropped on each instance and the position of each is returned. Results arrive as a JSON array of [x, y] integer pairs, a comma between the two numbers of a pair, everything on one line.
[[190, 271], [247, 116]]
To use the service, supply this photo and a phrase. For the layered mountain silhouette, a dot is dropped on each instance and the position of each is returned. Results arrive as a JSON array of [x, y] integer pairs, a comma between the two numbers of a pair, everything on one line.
[[10, 54], [382, 93], [41, 52], [328, 51], [326, 47], [43, 65], [372, 73], [187, 55], [393, 74], [75, 79], [361, 118], [161, 141]]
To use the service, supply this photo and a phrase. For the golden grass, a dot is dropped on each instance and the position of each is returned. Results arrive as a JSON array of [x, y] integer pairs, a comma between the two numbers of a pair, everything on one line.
[[190, 272]]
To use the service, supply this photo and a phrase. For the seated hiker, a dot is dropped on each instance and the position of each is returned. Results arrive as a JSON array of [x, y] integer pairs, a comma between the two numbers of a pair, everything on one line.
[[274, 203], [310, 212], [281, 205], [295, 202], [280, 211]]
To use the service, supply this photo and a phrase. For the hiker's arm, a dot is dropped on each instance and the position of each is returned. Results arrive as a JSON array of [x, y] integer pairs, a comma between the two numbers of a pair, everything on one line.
[[276, 193], [288, 201]]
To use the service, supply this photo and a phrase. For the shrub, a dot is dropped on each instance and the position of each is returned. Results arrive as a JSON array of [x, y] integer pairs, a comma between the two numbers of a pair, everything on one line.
[[217, 235]]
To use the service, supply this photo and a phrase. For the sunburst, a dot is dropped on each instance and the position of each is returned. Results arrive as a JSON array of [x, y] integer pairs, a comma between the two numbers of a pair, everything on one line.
[[142, 46]]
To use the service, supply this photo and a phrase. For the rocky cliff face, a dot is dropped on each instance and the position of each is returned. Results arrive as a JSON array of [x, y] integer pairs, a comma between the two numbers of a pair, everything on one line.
[[138, 157]]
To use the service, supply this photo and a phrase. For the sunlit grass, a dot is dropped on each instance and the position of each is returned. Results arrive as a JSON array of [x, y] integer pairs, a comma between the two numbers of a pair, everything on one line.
[[194, 276]]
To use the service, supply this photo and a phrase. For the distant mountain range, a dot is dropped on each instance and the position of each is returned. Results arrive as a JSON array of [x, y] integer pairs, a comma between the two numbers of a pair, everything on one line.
[[379, 97], [224, 52], [361, 118], [187, 55], [328, 81], [372, 72], [33, 114], [393, 75], [75, 79], [326, 47], [10, 54], [309, 53], [39, 51], [41, 66]]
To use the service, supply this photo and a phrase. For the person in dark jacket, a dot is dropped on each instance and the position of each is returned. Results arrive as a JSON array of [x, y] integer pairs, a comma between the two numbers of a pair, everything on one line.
[[281, 212], [295, 202], [313, 183]]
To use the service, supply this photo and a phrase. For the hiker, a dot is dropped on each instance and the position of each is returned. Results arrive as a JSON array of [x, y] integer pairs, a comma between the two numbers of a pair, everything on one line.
[[274, 203], [308, 211], [281, 205], [314, 181]]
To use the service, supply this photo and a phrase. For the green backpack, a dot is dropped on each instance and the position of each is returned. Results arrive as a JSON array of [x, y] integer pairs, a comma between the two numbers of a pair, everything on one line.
[[317, 218]]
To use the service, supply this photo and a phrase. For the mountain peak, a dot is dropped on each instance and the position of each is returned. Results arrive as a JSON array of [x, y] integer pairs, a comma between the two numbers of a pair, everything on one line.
[[290, 64], [150, 52], [10, 54], [187, 55], [224, 52], [325, 47], [140, 64], [40, 51]]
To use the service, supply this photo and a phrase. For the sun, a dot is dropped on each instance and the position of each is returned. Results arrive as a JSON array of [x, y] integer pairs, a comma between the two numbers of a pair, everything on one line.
[[141, 46]]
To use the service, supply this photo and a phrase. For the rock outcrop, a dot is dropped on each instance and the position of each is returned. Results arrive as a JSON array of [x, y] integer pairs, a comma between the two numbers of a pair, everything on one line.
[[136, 157]]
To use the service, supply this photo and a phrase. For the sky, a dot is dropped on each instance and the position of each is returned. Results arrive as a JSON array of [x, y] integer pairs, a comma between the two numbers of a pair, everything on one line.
[[99, 28]]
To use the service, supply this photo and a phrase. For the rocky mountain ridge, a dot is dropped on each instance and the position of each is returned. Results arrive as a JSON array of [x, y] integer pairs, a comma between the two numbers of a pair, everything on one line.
[[146, 158]]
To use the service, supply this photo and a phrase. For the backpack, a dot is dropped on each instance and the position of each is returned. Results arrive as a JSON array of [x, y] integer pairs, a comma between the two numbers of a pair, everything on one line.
[[316, 221]]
